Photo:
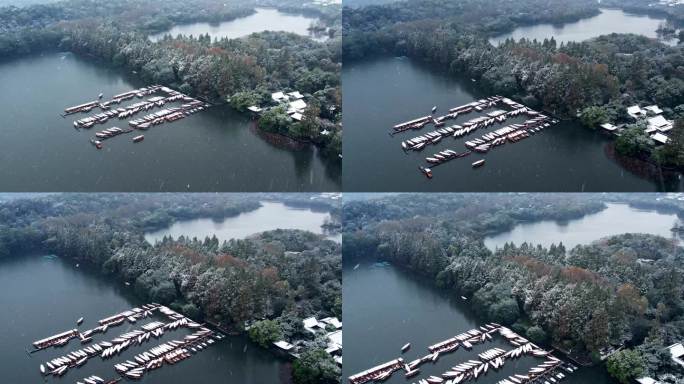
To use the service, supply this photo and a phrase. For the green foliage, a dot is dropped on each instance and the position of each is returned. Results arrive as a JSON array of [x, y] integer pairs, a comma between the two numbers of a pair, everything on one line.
[[626, 365], [265, 332], [634, 141], [315, 367], [594, 116], [537, 335]]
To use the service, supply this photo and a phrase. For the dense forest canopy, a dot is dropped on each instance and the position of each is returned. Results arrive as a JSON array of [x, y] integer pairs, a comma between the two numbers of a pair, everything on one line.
[[621, 291], [282, 275]]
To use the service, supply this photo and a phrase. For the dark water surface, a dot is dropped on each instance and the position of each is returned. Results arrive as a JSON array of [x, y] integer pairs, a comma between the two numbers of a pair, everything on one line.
[[270, 216], [41, 297], [213, 150], [385, 308], [264, 19], [387, 91], [607, 22], [614, 220]]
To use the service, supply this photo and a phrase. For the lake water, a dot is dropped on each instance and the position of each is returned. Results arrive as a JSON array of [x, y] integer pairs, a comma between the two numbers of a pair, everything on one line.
[[213, 150], [387, 91], [264, 19], [607, 22], [378, 322], [41, 297], [614, 220], [269, 217]]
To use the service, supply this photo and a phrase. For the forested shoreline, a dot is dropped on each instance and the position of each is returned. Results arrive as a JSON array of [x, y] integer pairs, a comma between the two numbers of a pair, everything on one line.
[[622, 291], [281, 276], [594, 81], [217, 70]]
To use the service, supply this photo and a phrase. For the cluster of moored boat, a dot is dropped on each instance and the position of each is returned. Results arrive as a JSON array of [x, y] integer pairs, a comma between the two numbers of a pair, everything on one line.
[[189, 107], [378, 373], [491, 359]]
